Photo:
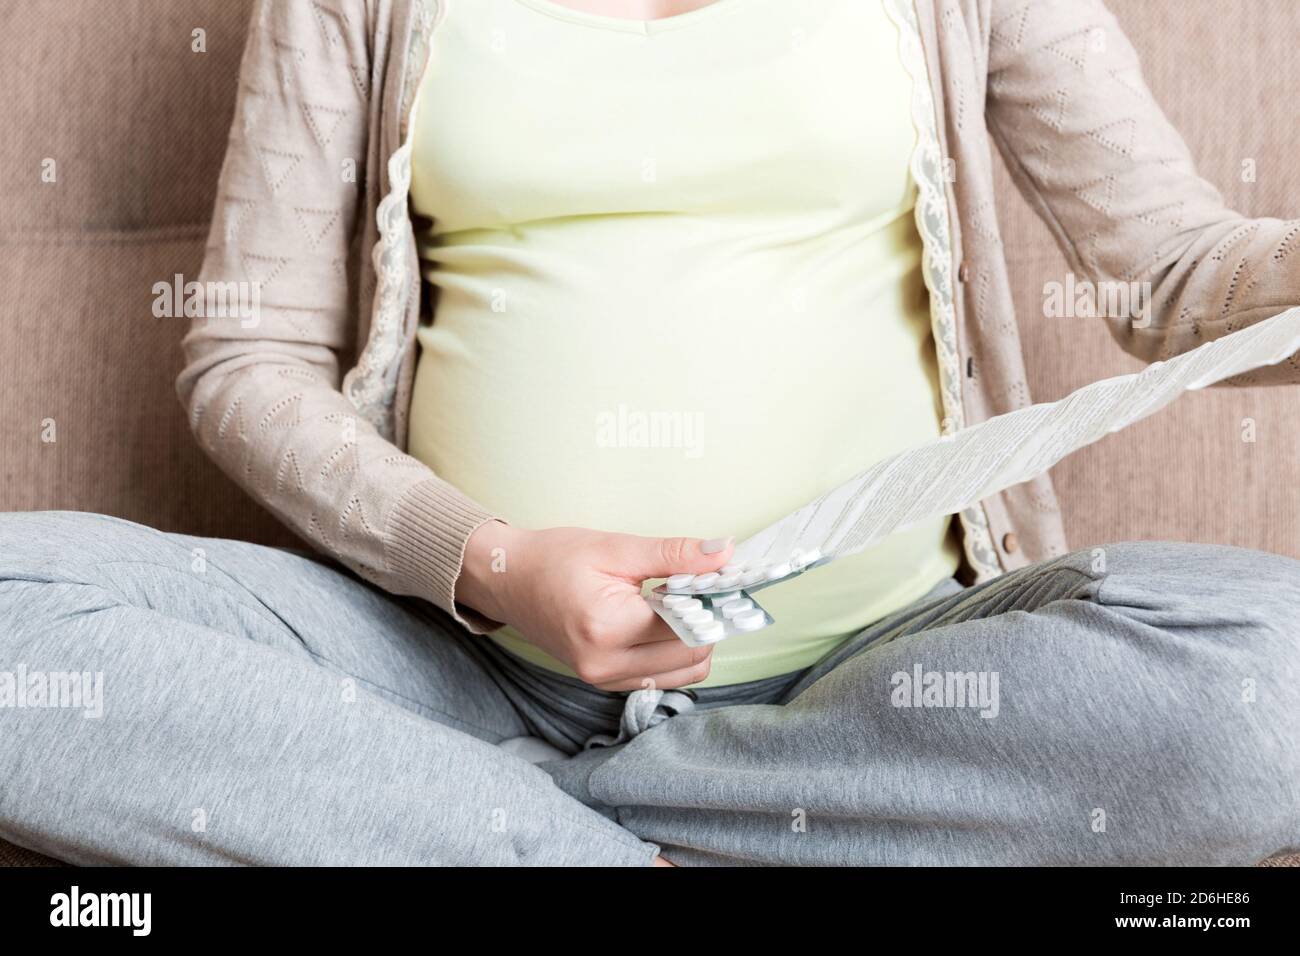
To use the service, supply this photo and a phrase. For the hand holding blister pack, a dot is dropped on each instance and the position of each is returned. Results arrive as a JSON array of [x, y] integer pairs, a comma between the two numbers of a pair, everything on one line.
[[721, 603], [946, 476]]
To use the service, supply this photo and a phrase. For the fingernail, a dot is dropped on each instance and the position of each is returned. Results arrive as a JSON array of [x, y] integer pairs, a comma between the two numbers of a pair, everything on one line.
[[714, 545]]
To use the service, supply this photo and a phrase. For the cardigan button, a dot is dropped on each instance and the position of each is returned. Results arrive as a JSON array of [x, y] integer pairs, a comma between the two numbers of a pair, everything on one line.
[[1010, 543], [963, 273]]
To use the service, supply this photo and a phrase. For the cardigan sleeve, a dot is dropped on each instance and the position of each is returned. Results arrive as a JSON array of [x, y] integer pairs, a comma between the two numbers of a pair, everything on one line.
[[1094, 155], [261, 383]]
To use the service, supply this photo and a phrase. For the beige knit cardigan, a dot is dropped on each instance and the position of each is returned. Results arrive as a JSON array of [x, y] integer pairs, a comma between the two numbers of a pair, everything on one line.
[[307, 406]]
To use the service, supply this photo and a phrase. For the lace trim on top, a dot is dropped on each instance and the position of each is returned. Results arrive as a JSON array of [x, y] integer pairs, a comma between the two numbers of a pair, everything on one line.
[[371, 385], [929, 173]]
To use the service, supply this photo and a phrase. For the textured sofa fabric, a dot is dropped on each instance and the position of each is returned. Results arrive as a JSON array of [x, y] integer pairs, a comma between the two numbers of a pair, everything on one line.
[[136, 122]]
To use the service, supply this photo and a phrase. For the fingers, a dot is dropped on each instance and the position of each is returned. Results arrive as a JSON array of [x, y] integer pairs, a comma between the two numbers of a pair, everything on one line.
[[660, 557], [661, 657], [682, 677], [652, 652], [640, 625], [612, 638], [626, 666]]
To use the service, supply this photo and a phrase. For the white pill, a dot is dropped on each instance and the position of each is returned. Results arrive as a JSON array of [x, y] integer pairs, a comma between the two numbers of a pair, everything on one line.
[[693, 619], [753, 576], [729, 580], [709, 633], [680, 582], [705, 581], [750, 620], [675, 600], [778, 571], [721, 598], [738, 606], [687, 606]]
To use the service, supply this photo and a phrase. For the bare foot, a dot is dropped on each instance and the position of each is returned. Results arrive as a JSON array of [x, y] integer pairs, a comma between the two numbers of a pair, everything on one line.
[[660, 861]]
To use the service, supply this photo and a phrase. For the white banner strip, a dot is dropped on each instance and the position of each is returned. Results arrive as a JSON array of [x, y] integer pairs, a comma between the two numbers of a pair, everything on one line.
[[955, 472]]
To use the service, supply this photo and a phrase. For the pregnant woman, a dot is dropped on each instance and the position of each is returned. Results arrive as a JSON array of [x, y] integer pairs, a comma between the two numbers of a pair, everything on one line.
[[558, 296]]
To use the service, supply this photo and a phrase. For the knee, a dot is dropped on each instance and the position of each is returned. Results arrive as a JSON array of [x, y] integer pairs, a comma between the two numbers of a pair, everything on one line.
[[47, 558], [1237, 594], [60, 542], [1187, 560], [1216, 629], [1220, 616]]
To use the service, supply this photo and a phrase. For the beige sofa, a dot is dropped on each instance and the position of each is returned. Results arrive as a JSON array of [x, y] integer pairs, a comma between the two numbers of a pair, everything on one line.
[[136, 123]]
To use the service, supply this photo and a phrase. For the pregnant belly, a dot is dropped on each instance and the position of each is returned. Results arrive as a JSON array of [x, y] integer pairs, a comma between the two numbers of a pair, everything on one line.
[[598, 444], [659, 432], [653, 435]]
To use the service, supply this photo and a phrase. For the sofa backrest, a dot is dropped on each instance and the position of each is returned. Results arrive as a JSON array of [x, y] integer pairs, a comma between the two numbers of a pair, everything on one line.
[[111, 101]]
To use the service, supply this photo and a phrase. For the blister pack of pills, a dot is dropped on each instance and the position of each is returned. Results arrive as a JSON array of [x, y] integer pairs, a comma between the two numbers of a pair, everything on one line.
[[708, 618], [748, 575]]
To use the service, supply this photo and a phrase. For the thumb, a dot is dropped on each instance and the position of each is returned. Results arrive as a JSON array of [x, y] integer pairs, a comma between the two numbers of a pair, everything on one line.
[[661, 557]]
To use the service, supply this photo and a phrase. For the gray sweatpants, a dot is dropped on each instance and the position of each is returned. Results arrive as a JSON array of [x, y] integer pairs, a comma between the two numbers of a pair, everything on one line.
[[1138, 703]]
